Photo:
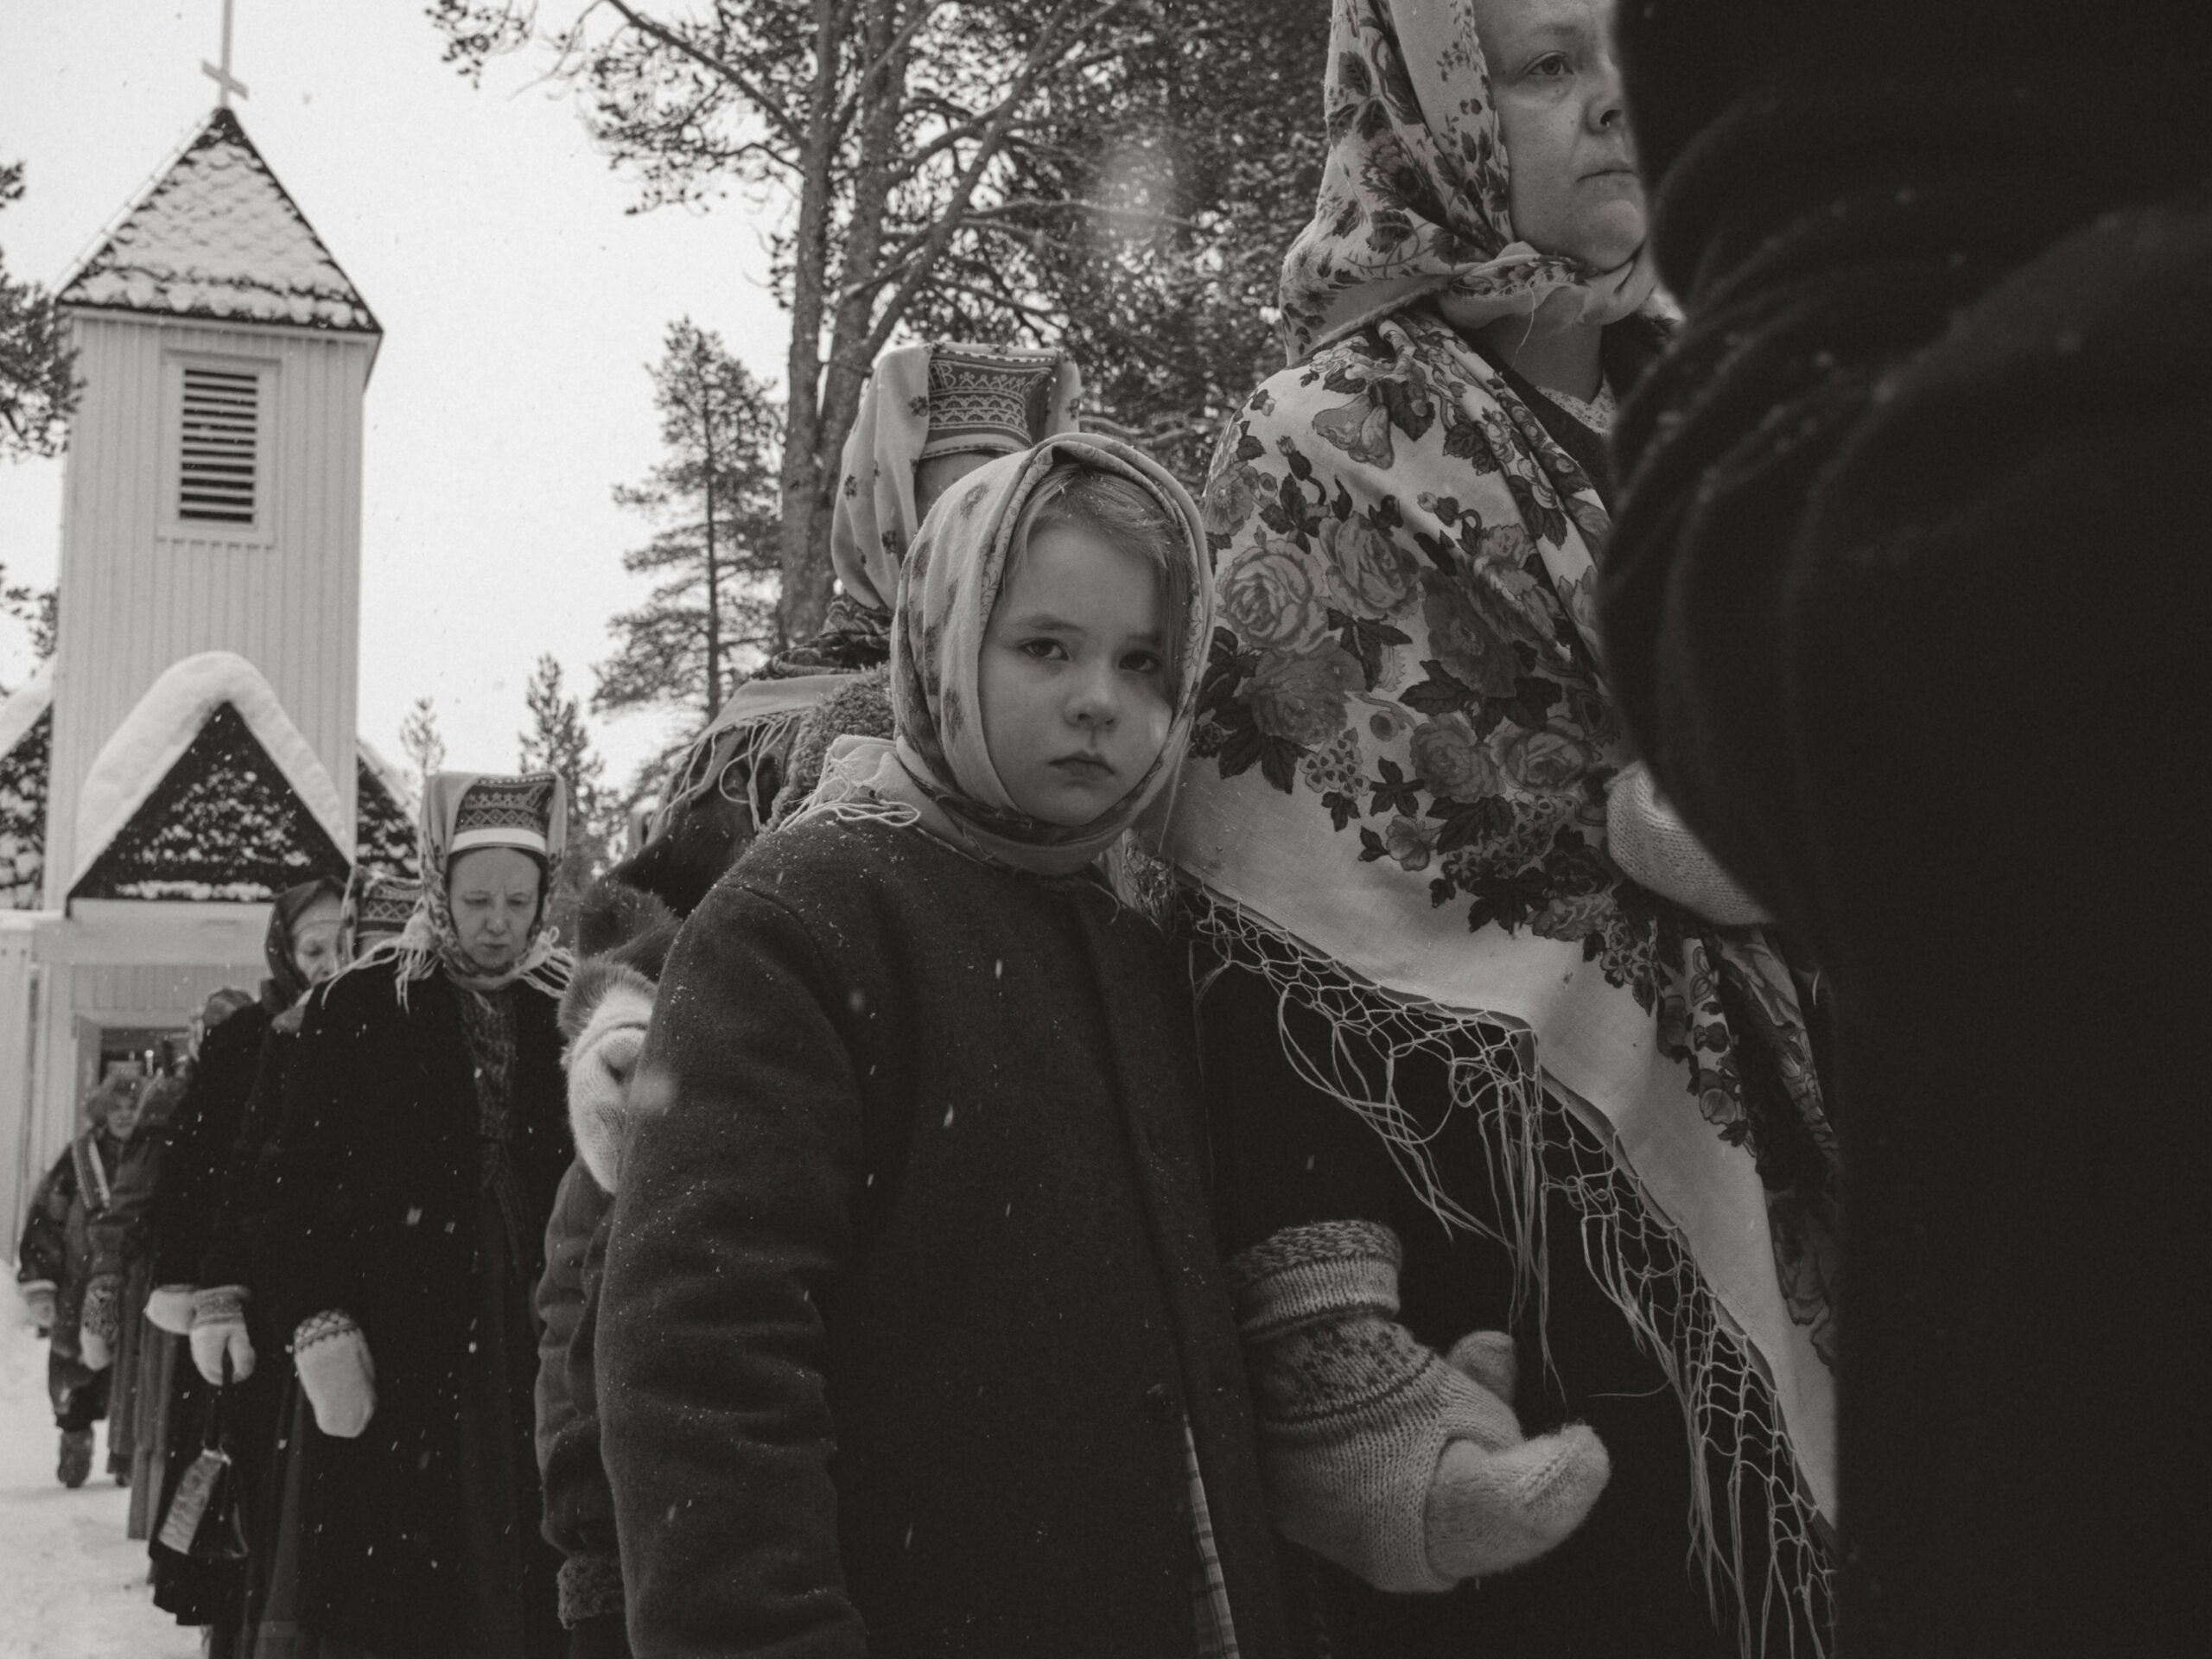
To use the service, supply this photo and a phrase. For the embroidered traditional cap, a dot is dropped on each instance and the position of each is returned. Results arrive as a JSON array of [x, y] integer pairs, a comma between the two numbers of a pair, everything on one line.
[[515, 812], [989, 402], [378, 906]]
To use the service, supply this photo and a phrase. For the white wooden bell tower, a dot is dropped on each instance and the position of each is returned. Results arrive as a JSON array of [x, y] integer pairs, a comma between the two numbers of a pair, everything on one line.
[[214, 493]]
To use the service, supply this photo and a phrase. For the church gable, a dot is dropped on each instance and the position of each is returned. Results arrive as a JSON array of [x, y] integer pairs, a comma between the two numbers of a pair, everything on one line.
[[224, 823], [217, 236], [24, 769]]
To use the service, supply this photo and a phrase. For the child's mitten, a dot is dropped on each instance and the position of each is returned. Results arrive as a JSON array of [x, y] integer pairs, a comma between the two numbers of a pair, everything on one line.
[[170, 1309], [1377, 1455], [611, 1006], [217, 1328], [335, 1373], [38, 1302], [102, 1318]]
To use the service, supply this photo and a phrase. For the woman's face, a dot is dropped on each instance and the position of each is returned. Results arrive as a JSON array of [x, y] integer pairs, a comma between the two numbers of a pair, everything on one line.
[[1574, 188], [494, 892], [314, 941]]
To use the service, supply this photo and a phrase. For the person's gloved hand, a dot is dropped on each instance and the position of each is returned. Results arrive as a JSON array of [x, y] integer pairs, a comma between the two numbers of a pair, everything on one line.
[[602, 1063], [218, 1328], [1499, 1501], [1378, 1454], [102, 1318], [335, 1373], [38, 1303], [170, 1308]]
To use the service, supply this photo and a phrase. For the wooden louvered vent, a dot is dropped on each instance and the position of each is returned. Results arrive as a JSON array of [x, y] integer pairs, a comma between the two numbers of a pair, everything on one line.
[[217, 474]]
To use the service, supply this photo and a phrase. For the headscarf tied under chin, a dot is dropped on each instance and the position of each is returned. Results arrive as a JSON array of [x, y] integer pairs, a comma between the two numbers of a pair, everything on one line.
[[463, 811], [938, 772], [1415, 190], [286, 984], [925, 401]]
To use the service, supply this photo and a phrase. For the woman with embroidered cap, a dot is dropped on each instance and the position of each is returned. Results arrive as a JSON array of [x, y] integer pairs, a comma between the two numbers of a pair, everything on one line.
[[913, 1338], [407, 1191], [1517, 1124]]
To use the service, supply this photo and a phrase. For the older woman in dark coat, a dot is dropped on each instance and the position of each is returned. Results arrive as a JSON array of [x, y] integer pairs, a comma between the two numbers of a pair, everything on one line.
[[424, 1130]]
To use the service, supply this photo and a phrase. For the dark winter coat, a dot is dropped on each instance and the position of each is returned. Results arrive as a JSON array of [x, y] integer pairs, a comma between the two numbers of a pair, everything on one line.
[[62, 1231], [202, 1136], [912, 1287], [579, 1509], [372, 1186], [1907, 604]]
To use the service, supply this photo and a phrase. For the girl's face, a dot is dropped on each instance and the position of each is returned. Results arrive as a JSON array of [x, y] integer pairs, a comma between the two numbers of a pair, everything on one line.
[[314, 941], [494, 892], [1074, 677], [1574, 188]]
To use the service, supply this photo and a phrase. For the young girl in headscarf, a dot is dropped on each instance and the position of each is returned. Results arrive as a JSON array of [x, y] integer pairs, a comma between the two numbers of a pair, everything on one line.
[[1513, 1100], [912, 1335], [408, 1188]]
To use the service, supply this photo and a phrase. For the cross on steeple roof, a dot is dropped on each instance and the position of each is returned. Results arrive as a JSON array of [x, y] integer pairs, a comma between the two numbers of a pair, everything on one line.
[[225, 83]]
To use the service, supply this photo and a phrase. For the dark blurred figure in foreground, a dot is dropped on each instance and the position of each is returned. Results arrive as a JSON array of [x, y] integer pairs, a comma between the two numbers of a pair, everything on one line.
[[1907, 607]]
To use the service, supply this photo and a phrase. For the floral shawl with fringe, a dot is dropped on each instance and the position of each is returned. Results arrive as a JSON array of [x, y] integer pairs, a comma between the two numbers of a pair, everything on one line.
[[1394, 812]]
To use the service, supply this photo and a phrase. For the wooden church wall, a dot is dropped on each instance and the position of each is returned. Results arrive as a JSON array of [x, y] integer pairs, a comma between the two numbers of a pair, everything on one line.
[[144, 591]]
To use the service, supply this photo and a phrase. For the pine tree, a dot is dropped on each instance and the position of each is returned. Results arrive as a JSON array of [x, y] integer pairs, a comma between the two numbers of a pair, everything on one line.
[[558, 742], [715, 552], [38, 366], [421, 741]]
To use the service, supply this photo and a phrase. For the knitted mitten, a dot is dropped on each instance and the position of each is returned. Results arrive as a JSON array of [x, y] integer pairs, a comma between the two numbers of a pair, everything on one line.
[[607, 1012], [1377, 1455], [1656, 850], [218, 1328], [335, 1373], [102, 1318], [169, 1307], [38, 1303]]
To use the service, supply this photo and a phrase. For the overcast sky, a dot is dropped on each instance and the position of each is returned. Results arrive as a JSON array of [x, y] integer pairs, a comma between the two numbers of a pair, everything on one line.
[[521, 305]]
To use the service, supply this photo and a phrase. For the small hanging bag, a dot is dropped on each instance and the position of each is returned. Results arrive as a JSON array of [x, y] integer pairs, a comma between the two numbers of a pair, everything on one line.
[[207, 1518]]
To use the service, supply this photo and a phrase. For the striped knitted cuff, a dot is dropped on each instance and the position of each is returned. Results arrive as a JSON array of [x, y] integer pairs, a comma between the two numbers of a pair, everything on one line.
[[321, 1327], [220, 1305]]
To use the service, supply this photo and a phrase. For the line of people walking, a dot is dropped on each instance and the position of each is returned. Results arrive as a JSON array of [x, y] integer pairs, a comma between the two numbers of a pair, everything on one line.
[[1170, 1083]]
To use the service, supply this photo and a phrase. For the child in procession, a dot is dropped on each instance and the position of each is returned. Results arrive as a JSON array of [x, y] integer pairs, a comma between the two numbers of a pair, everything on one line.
[[914, 1337]]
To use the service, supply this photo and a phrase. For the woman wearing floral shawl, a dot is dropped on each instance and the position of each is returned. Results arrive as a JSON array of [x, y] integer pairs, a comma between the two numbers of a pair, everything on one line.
[[1581, 1099], [424, 1128]]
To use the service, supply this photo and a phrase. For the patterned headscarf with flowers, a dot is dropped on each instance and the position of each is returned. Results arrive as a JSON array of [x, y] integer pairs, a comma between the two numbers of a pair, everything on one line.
[[1415, 189], [463, 811], [1395, 814], [938, 771]]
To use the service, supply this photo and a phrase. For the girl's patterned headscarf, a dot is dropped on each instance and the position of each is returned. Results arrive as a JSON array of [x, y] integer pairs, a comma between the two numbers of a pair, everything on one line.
[[925, 401], [1415, 187], [938, 772], [463, 811], [376, 907]]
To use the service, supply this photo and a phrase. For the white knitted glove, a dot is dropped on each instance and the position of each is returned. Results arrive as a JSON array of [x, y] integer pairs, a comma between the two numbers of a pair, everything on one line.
[[335, 1373], [1657, 851], [170, 1309], [218, 1328], [38, 1303], [1377, 1455], [601, 1058]]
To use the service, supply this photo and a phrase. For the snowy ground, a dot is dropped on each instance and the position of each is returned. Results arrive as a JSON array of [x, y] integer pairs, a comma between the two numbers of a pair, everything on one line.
[[74, 1587]]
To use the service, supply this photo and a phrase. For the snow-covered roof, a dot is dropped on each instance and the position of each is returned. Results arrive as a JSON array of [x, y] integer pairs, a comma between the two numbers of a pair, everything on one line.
[[24, 705], [397, 783], [216, 235], [135, 761]]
